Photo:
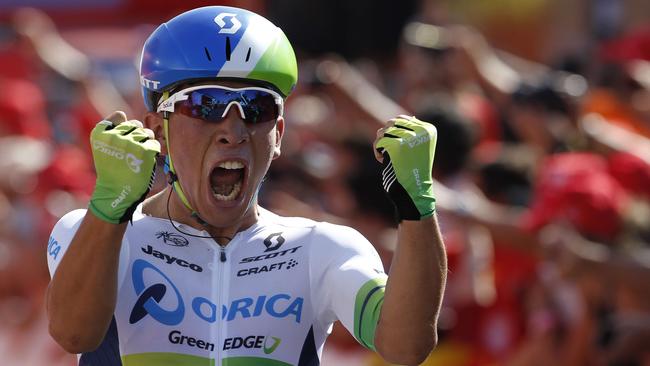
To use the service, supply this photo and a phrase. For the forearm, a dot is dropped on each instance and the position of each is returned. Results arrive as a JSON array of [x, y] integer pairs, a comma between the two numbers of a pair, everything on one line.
[[81, 296], [406, 332]]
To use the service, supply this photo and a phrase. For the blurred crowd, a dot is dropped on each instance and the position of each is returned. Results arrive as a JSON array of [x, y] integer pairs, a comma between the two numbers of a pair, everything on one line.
[[542, 178]]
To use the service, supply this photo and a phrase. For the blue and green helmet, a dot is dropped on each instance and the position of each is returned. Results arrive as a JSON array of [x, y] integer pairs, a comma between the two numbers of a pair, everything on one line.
[[212, 43]]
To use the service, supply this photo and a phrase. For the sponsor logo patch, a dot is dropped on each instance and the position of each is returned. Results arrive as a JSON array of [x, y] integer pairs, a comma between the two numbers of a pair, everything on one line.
[[267, 268], [171, 260], [273, 242], [176, 337], [266, 343], [53, 247], [277, 254], [154, 300], [235, 24], [173, 239]]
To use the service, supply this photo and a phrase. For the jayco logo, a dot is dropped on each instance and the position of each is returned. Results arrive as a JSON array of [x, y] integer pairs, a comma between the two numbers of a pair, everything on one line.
[[151, 297], [171, 260], [221, 22]]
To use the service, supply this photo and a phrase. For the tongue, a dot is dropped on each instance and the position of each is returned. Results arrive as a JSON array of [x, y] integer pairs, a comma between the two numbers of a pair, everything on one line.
[[223, 179]]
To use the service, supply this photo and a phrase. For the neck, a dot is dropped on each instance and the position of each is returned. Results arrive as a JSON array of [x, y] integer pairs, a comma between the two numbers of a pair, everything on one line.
[[164, 206]]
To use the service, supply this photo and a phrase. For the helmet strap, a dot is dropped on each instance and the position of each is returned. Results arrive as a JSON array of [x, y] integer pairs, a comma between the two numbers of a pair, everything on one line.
[[173, 177]]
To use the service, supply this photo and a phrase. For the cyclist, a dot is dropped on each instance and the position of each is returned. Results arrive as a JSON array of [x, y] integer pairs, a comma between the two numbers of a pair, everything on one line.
[[199, 274]]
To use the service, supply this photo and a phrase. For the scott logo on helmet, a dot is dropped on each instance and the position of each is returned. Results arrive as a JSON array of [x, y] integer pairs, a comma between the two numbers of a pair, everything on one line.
[[150, 299], [220, 20], [149, 83]]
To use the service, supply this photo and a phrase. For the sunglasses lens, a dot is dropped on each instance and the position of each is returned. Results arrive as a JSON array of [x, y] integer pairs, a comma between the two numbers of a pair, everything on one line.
[[209, 104], [259, 106]]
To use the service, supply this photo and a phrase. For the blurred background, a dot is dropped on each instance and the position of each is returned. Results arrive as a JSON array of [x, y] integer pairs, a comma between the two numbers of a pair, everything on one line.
[[542, 166]]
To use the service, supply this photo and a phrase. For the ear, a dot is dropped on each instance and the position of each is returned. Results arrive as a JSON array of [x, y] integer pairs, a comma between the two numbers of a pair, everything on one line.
[[154, 122], [279, 132]]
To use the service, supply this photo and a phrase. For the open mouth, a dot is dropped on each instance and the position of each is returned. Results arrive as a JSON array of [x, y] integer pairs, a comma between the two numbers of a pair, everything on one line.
[[226, 180]]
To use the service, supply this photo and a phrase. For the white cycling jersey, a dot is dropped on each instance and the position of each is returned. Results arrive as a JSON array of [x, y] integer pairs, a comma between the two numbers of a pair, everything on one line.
[[268, 298]]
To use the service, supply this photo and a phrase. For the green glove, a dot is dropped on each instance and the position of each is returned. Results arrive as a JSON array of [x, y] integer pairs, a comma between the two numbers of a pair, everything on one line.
[[125, 159], [408, 148]]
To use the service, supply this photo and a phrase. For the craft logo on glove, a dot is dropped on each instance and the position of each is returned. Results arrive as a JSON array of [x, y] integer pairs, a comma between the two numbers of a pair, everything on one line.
[[109, 150], [416, 175], [125, 192]]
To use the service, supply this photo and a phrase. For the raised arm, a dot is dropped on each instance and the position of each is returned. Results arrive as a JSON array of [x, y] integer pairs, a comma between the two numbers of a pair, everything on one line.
[[81, 296], [406, 332]]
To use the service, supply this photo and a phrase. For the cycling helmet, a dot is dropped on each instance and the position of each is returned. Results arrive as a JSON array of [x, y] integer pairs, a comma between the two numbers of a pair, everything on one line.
[[216, 42]]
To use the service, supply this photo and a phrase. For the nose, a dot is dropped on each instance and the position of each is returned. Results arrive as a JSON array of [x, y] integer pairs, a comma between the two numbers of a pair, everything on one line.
[[232, 130]]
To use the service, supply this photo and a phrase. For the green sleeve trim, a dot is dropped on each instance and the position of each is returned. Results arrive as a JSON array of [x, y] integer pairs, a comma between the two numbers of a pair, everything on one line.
[[367, 309]]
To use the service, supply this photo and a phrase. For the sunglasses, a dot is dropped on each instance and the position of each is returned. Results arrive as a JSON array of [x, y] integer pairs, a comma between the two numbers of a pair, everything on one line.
[[211, 103]]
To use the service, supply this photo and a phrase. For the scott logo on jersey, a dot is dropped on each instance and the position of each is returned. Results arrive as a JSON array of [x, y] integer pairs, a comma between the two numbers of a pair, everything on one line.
[[273, 242]]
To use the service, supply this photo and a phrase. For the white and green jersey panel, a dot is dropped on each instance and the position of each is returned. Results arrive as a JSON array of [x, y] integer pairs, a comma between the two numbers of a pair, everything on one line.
[[270, 297]]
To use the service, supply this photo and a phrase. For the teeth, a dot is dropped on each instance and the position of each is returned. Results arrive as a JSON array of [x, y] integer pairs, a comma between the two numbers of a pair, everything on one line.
[[231, 165], [233, 194]]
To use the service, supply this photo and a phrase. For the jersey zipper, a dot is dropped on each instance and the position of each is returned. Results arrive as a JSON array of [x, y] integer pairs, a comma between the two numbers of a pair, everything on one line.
[[223, 254], [222, 288]]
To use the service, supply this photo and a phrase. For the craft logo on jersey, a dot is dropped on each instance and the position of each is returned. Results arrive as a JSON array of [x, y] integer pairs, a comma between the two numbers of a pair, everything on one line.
[[267, 268], [235, 24], [172, 239], [167, 309], [273, 242]]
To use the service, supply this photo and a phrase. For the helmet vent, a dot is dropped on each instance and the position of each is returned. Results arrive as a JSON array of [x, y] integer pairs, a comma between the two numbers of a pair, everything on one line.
[[228, 51], [248, 55], [207, 54]]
